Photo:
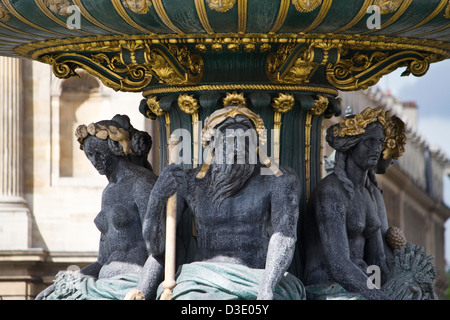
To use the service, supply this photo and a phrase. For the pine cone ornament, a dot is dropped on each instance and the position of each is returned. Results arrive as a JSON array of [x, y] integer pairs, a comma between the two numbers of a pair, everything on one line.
[[395, 238]]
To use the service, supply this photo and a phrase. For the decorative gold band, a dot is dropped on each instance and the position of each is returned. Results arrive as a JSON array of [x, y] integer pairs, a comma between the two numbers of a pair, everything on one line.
[[263, 87], [293, 59], [35, 49]]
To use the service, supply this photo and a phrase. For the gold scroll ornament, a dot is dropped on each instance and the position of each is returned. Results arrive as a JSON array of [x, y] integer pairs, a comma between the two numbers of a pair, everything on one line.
[[116, 64]]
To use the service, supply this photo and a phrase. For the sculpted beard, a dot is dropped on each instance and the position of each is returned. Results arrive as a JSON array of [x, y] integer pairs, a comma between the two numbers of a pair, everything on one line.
[[227, 179]]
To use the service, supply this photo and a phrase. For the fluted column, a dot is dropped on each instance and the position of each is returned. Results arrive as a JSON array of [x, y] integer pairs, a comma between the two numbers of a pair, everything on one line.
[[14, 214]]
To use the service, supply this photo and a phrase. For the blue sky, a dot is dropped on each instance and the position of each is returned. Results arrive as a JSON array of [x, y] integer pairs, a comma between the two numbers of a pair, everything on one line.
[[432, 95], [431, 92]]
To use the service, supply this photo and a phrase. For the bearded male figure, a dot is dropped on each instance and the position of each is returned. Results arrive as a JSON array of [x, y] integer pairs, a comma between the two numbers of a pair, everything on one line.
[[245, 219]]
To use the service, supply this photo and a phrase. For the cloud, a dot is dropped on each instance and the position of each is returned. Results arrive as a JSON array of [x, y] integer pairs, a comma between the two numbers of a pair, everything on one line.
[[435, 130], [395, 83], [431, 91]]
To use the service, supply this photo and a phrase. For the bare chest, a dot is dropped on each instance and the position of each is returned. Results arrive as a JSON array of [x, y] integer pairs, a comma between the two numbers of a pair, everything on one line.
[[248, 208], [362, 216]]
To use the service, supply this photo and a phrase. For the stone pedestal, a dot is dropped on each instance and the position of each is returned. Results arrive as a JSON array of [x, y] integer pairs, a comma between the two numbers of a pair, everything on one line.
[[15, 225]]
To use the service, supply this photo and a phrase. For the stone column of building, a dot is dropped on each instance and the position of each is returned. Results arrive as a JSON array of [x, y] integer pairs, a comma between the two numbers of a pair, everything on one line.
[[15, 225]]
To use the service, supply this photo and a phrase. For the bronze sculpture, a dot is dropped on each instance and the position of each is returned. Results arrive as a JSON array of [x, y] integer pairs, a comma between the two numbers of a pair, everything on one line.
[[114, 148], [346, 233], [245, 222]]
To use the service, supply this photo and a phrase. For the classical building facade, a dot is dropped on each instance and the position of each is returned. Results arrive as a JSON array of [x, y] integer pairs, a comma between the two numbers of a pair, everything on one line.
[[50, 193]]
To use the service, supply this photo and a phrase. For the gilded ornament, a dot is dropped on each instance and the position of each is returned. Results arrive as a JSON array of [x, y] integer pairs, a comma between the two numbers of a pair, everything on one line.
[[306, 5], [221, 115], [104, 132], [165, 71], [447, 11], [137, 6], [265, 47], [129, 65], [201, 48], [283, 103], [320, 105], [232, 111], [387, 6], [278, 58], [356, 125], [267, 87], [300, 72], [393, 127], [265, 41], [233, 47], [217, 46], [58, 6], [4, 14], [249, 47], [357, 71], [188, 103], [280, 70], [395, 138], [221, 5], [61, 70], [191, 63], [349, 63], [153, 105], [234, 98]]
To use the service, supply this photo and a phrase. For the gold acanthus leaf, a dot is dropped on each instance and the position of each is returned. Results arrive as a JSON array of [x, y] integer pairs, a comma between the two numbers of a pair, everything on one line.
[[233, 99]]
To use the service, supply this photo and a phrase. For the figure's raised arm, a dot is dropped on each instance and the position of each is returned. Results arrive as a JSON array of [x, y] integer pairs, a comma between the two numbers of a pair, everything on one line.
[[153, 229], [169, 182]]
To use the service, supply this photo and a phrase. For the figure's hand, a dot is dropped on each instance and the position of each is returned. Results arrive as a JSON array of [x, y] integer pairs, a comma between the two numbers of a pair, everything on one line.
[[170, 180], [134, 294]]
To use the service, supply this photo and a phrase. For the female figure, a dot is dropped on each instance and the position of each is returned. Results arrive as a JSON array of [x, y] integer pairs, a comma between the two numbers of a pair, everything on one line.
[[342, 226], [114, 148]]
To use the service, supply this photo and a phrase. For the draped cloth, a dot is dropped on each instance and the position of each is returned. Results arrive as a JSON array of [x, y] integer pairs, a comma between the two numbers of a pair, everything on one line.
[[330, 292], [75, 286], [226, 281]]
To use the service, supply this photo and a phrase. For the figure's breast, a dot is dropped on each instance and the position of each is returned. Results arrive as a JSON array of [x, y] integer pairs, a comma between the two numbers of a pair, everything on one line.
[[373, 223], [355, 223], [116, 217], [363, 221], [118, 207], [101, 222]]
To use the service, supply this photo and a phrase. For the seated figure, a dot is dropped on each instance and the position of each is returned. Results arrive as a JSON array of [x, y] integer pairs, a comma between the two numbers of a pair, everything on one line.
[[346, 231], [119, 152], [411, 274], [245, 215]]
